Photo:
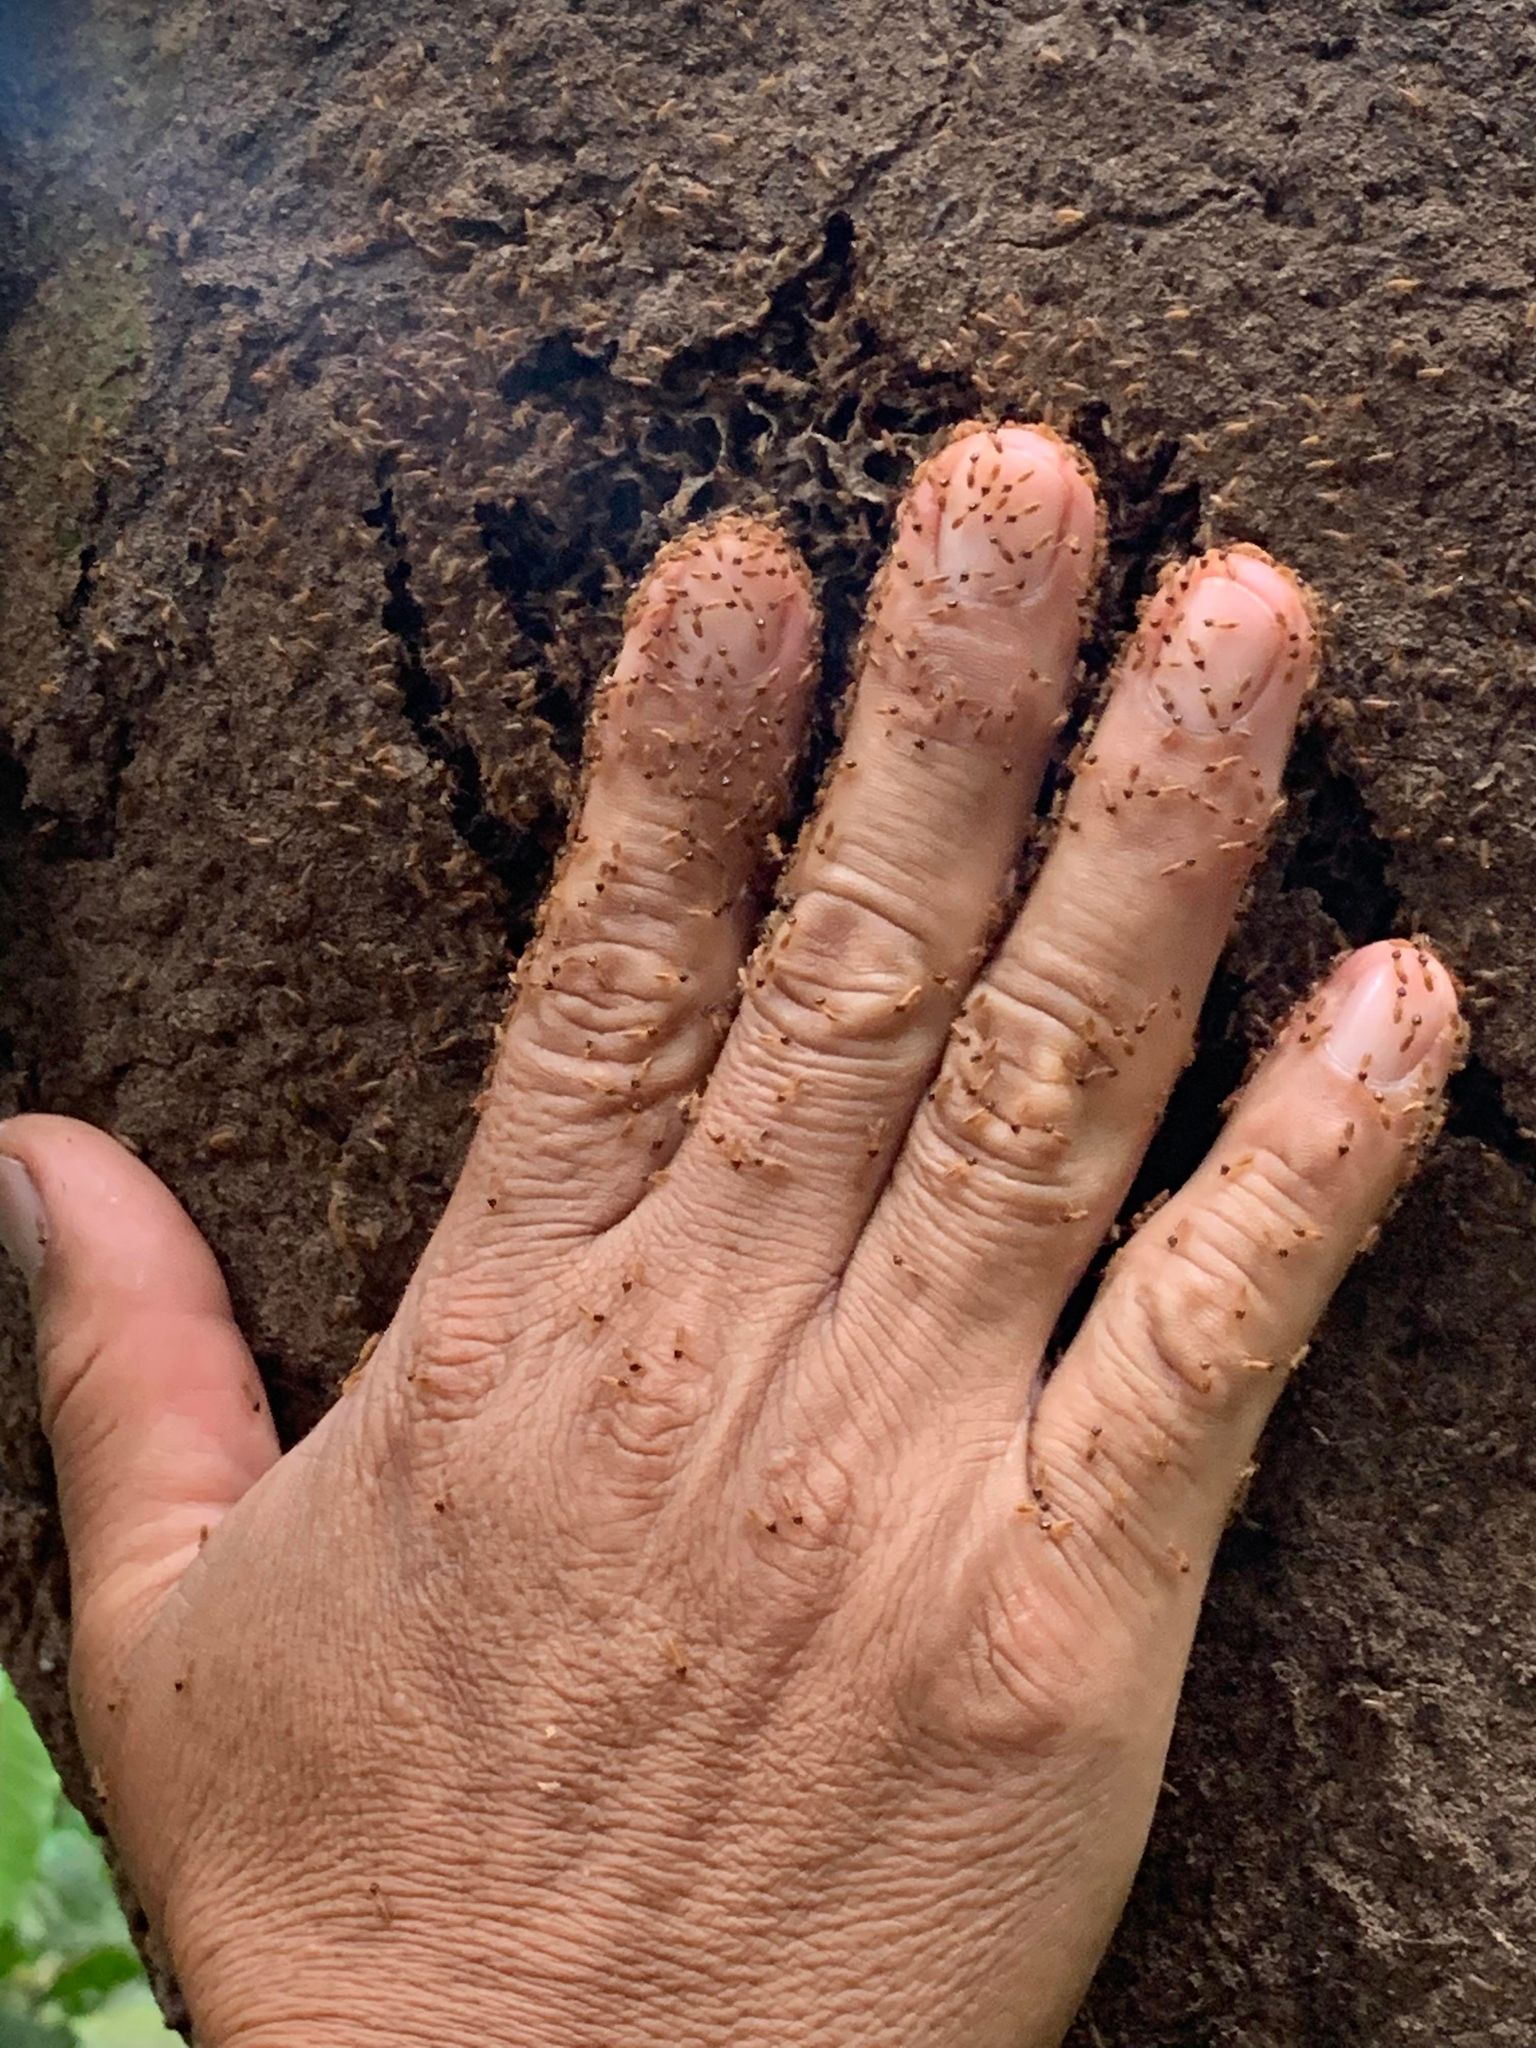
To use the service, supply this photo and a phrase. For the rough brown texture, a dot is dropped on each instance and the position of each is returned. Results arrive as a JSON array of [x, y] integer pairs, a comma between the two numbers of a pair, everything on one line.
[[353, 357]]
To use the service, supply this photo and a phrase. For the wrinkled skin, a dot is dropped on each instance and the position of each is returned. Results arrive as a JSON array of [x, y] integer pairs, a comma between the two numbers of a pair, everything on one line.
[[702, 1620]]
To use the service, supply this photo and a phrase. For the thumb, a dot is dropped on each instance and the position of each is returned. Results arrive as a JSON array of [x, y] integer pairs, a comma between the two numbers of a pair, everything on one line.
[[150, 1398]]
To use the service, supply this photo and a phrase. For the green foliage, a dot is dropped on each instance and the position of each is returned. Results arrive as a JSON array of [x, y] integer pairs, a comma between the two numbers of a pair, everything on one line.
[[69, 1977]]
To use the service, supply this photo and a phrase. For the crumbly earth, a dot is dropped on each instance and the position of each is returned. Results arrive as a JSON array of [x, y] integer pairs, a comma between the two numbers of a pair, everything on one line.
[[353, 359]]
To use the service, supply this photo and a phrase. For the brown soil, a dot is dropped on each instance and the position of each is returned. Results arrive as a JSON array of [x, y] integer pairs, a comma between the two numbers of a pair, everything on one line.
[[354, 357]]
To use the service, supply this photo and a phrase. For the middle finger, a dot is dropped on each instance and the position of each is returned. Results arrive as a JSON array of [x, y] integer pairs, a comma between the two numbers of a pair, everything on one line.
[[967, 660]]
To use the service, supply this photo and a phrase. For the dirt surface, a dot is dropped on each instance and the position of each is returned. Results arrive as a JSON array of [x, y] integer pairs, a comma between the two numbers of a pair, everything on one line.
[[354, 357]]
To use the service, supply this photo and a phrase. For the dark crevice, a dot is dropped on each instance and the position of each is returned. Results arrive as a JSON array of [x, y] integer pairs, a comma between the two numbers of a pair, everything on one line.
[[1478, 1110], [499, 845], [556, 364], [121, 687], [528, 559], [117, 758], [1190, 1125], [18, 287], [484, 233], [1340, 855], [737, 416], [13, 796], [73, 608], [1151, 520], [111, 684], [1344, 860], [777, 413], [89, 834]]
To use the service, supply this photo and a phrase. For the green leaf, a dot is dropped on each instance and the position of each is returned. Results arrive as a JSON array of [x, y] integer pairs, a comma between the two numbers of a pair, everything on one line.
[[129, 2019], [21, 2029], [71, 1911], [28, 1794], [82, 1985]]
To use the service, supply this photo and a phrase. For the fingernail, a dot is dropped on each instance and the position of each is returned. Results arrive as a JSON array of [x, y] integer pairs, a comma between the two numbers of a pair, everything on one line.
[[23, 1225], [1396, 1003], [1233, 652], [995, 513], [720, 602]]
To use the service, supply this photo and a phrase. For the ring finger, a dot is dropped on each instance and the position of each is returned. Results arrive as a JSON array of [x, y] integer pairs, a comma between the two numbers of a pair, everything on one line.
[[1067, 1047]]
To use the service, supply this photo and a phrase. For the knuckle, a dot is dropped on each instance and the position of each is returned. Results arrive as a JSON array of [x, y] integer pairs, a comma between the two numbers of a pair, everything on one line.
[[1188, 817], [806, 1483], [632, 1411], [612, 1025], [70, 1360], [1185, 1329], [460, 1338], [637, 1417], [794, 1573], [1269, 1201], [840, 964], [1010, 1096], [619, 992], [1200, 1288], [1172, 1327], [1036, 1668], [957, 691], [1019, 1143], [812, 1486], [1079, 1021]]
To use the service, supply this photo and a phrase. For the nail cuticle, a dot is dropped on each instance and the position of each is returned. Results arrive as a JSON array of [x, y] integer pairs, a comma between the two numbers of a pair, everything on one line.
[[996, 555], [1189, 670], [1387, 1034], [23, 1221]]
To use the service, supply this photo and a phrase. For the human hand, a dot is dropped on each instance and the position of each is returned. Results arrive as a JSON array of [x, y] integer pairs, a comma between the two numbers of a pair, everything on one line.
[[703, 1620]]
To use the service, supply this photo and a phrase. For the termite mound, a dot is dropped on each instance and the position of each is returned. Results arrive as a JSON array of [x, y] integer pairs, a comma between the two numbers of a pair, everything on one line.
[[463, 310], [810, 413]]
